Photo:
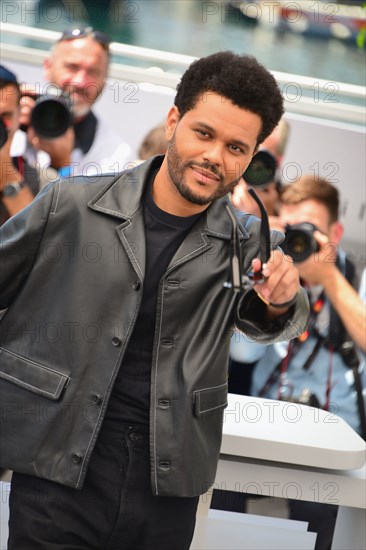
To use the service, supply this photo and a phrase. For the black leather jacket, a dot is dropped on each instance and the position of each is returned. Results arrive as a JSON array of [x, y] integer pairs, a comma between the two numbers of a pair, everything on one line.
[[72, 272]]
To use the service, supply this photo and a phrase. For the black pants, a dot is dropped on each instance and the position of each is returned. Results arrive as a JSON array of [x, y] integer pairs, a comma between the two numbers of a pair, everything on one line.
[[115, 510], [321, 518]]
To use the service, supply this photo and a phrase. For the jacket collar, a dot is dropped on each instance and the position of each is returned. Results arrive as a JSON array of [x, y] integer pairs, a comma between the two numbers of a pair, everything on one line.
[[122, 197]]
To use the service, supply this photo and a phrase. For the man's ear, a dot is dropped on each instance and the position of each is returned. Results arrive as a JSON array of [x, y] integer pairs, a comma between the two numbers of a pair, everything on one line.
[[47, 68], [336, 232], [171, 122]]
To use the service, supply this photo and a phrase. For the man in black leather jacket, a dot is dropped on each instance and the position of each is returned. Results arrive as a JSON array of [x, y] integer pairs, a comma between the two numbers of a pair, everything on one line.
[[114, 346]]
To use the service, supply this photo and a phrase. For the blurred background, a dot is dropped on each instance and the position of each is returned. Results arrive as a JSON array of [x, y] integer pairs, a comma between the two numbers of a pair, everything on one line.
[[319, 39]]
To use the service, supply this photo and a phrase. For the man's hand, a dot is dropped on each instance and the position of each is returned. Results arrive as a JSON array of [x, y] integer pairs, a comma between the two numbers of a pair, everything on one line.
[[244, 201], [319, 266], [316, 269], [8, 172], [59, 148], [281, 284]]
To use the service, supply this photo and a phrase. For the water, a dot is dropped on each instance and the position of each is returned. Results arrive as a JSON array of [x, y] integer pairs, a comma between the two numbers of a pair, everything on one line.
[[197, 28]]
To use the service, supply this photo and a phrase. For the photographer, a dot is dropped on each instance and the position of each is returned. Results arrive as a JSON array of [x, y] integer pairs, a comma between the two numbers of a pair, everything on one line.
[[265, 173], [320, 368], [360, 338], [18, 181], [78, 67]]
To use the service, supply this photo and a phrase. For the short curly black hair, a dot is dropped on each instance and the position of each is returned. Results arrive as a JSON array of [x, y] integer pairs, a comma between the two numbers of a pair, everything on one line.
[[239, 78]]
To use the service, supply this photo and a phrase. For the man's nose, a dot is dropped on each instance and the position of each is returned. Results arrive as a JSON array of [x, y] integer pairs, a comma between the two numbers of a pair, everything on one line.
[[214, 153], [80, 79]]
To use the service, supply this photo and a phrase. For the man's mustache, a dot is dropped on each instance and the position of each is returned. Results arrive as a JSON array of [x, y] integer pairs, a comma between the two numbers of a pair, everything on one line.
[[206, 166]]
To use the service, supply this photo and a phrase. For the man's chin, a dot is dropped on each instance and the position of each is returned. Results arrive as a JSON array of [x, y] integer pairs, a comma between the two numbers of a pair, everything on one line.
[[201, 199]]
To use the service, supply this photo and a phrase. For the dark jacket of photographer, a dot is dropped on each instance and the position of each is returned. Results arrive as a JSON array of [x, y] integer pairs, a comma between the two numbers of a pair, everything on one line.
[[72, 273]]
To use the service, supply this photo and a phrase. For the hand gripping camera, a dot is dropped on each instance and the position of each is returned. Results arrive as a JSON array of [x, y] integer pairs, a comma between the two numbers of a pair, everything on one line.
[[52, 114], [299, 241]]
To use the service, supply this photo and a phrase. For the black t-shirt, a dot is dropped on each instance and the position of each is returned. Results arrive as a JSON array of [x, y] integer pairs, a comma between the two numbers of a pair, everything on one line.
[[130, 399]]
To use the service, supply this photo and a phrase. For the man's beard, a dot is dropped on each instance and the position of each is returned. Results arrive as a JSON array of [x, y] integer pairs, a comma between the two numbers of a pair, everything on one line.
[[80, 111], [176, 169]]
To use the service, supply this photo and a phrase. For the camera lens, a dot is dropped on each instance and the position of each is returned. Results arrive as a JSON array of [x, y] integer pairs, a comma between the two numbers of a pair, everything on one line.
[[299, 242], [51, 115], [262, 169], [3, 133]]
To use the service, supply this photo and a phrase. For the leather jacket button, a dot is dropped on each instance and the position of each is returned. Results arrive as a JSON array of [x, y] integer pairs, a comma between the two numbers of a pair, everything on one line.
[[172, 283], [136, 285], [96, 399], [164, 403], [76, 458], [164, 464], [116, 341], [135, 436], [167, 341]]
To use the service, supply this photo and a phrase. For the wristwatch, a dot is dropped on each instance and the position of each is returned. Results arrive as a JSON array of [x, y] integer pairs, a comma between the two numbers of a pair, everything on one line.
[[12, 189]]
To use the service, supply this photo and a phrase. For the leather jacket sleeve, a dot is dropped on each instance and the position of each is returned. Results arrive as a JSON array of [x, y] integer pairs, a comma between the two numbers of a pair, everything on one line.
[[20, 238], [251, 312]]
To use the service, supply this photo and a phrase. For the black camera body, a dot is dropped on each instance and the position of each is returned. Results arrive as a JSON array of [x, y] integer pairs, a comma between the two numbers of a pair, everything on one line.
[[4, 134], [52, 114], [300, 242]]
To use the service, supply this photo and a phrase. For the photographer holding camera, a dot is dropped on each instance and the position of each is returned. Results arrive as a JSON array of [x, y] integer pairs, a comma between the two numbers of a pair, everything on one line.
[[18, 181], [319, 368], [64, 133]]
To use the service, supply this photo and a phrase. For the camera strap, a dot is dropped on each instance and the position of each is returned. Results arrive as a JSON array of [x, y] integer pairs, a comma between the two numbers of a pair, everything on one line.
[[294, 347], [345, 347]]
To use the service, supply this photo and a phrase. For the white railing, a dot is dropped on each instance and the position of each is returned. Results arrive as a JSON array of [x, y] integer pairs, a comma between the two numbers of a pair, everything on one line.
[[304, 95]]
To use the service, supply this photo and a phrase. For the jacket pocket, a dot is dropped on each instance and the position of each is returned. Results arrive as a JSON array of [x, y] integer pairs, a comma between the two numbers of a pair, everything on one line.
[[31, 375], [210, 400]]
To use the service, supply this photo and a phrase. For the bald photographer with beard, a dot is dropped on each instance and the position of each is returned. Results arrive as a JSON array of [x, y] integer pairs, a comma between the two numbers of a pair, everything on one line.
[[76, 70]]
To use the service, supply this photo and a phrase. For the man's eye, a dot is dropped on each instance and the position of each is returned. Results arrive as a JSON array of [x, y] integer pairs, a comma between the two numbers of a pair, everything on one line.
[[70, 67], [235, 149], [202, 133], [94, 73]]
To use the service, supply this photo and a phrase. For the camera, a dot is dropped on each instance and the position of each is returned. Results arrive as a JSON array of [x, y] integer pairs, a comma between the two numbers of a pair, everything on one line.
[[306, 397], [299, 241], [3, 133], [52, 113], [261, 170]]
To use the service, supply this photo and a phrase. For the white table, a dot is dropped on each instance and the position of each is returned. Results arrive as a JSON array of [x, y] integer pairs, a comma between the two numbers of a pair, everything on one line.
[[292, 451]]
